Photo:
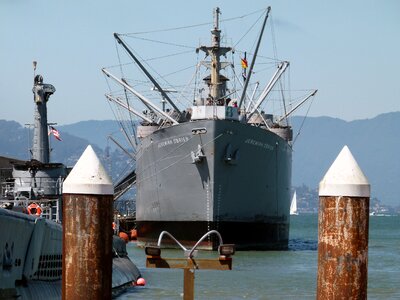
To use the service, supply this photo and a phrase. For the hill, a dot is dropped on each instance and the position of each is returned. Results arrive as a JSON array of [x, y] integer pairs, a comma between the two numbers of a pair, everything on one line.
[[16, 142], [373, 142], [94, 131]]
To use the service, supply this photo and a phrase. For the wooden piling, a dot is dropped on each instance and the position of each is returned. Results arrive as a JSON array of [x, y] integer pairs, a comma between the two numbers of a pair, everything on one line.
[[188, 284], [87, 230], [343, 223]]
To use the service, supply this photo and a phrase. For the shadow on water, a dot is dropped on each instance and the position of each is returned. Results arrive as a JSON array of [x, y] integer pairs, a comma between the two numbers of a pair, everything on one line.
[[303, 245]]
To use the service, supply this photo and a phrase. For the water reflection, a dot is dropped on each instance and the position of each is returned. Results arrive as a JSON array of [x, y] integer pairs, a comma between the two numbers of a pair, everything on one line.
[[303, 245]]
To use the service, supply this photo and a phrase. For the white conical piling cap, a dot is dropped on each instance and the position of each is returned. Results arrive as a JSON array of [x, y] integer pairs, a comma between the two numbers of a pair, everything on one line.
[[88, 176], [345, 178]]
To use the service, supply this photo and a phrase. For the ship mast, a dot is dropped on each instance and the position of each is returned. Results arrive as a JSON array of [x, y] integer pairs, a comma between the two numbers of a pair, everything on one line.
[[215, 61], [217, 89], [246, 83], [40, 147]]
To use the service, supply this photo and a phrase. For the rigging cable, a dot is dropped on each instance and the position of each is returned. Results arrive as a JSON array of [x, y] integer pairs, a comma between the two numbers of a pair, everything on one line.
[[128, 136], [196, 74], [233, 72], [192, 26], [181, 94], [150, 67], [109, 103], [275, 53], [170, 55], [161, 42], [303, 121], [125, 170], [250, 28]]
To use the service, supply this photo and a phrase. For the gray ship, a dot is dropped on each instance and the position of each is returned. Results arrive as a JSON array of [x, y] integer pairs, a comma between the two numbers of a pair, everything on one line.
[[31, 216], [221, 164]]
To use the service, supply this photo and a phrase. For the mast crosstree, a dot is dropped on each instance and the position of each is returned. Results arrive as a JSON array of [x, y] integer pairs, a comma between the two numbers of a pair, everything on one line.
[[215, 51]]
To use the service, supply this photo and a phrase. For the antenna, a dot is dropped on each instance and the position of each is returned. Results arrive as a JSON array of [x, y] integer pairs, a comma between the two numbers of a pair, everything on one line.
[[34, 68]]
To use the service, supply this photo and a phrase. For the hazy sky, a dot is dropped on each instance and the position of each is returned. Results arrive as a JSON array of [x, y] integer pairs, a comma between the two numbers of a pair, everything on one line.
[[348, 50]]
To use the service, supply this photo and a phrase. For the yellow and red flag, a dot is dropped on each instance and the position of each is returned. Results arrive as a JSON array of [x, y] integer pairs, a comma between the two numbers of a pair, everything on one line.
[[244, 63]]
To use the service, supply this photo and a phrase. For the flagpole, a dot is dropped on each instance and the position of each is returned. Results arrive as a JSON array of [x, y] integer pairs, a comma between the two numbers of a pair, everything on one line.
[[48, 136], [50, 130], [244, 67]]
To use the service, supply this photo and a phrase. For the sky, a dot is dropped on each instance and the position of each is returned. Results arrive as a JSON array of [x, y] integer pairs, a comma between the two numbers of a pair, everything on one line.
[[348, 50]]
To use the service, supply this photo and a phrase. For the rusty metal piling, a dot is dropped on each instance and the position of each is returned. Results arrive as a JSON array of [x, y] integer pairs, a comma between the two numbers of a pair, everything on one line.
[[343, 222], [87, 230]]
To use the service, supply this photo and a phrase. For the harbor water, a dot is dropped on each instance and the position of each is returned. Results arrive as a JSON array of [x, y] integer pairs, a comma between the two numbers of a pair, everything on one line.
[[277, 274]]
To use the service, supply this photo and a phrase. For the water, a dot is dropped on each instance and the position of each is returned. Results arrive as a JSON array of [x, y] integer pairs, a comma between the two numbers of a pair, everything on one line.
[[277, 274]]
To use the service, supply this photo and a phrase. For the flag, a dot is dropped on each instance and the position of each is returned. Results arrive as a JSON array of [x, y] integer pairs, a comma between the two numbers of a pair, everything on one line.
[[244, 63], [55, 132]]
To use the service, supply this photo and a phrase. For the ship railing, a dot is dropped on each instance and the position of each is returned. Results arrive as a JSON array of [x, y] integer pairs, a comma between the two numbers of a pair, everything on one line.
[[45, 185], [205, 112], [7, 189], [51, 209]]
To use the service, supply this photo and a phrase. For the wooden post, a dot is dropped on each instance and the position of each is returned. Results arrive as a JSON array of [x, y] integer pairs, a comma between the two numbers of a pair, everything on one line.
[[87, 230], [188, 284], [343, 230], [189, 265]]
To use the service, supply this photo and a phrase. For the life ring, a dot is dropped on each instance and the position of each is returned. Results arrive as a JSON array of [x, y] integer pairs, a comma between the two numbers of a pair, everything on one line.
[[133, 234], [34, 209]]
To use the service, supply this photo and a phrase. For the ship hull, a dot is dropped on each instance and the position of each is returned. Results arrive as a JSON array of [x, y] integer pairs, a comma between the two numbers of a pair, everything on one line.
[[31, 252], [238, 184]]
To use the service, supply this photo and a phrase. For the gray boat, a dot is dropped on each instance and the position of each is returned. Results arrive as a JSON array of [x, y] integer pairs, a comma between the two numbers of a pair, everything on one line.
[[31, 218], [220, 164]]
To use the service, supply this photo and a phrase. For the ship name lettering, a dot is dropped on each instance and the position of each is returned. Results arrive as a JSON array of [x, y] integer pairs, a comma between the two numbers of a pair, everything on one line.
[[259, 144], [177, 140]]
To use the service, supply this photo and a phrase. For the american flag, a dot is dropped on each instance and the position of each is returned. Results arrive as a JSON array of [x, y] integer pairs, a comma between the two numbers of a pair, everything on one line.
[[55, 132]]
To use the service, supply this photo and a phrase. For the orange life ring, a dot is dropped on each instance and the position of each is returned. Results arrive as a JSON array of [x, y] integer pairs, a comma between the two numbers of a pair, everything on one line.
[[124, 236], [34, 209], [133, 234]]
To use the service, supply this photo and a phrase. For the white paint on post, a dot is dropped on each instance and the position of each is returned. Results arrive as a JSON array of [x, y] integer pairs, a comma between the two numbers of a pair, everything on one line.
[[88, 176], [345, 178]]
